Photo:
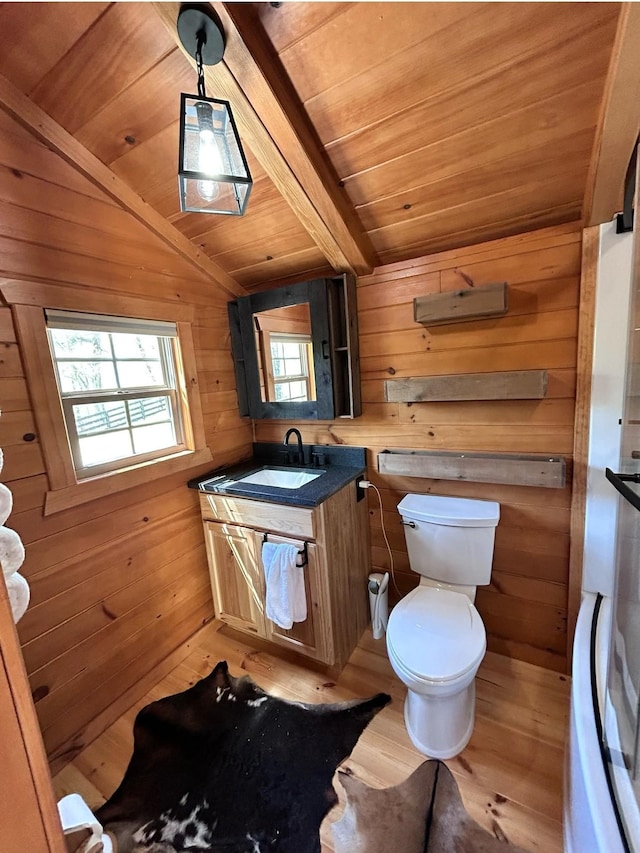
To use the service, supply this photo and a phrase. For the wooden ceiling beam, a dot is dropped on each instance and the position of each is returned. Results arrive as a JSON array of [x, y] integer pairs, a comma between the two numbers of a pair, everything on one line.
[[50, 133], [272, 122], [618, 124]]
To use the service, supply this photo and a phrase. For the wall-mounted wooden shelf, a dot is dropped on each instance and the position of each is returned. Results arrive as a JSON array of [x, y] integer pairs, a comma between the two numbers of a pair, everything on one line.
[[509, 385], [461, 306], [514, 469]]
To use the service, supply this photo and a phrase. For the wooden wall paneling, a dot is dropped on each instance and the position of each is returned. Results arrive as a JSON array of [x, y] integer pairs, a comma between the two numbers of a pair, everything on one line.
[[525, 81], [105, 59], [138, 111], [419, 234], [73, 540], [559, 410], [353, 33], [550, 325], [28, 814], [511, 357], [29, 521], [101, 631], [508, 175], [618, 123], [498, 139], [386, 88], [23, 156], [55, 34], [507, 249], [192, 606], [591, 245], [149, 674], [301, 266], [152, 645], [22, 224], [15, 396], [46, 130], [63, 591]]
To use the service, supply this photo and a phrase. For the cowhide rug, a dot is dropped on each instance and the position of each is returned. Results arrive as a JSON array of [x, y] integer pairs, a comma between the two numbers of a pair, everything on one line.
[[226, 768], [424, 814]]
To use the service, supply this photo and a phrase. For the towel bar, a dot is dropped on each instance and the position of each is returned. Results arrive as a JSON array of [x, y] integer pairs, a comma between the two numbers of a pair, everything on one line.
[[304, 553]]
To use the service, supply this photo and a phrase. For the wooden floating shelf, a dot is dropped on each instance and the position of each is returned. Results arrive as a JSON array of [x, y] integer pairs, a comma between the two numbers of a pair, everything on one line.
[[509, 385], [510, 468], [461, 306]]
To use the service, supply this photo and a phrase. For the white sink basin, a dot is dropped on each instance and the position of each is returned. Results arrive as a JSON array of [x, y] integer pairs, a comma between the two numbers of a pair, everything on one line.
[[281, 478]]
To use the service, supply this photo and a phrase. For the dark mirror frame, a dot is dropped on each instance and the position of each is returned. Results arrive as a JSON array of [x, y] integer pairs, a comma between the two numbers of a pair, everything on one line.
[[334, 338]]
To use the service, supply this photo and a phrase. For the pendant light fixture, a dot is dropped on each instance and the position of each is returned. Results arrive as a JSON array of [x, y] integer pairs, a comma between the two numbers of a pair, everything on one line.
[[213, 175]]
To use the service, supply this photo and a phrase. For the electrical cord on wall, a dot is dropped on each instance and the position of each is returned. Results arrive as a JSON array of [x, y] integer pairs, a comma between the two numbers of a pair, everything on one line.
[[367, 484]]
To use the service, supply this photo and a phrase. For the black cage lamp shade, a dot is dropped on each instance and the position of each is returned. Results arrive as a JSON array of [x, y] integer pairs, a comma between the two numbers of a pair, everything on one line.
[[213, 175]]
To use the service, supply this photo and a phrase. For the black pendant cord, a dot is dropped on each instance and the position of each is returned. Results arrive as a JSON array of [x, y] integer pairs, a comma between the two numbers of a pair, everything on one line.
[[199, 65]]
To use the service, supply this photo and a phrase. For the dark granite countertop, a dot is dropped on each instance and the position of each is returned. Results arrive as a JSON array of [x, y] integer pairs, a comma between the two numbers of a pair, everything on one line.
[[339, 464]]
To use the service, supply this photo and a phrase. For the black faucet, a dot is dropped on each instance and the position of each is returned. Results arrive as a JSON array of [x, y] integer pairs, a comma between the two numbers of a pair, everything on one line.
[[299, 457]]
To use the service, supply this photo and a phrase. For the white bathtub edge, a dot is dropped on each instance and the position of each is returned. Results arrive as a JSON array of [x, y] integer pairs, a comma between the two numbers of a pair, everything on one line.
[[589, 819]]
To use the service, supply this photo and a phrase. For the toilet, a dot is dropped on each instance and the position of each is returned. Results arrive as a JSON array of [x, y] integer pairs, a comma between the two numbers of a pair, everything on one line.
[[435, 637]]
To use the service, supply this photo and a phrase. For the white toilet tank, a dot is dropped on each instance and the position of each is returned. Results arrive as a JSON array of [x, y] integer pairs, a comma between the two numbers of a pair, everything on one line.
[[450, 539]]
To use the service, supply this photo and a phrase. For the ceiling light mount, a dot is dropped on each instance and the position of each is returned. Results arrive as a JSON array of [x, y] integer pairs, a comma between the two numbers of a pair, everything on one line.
[[199, 28]]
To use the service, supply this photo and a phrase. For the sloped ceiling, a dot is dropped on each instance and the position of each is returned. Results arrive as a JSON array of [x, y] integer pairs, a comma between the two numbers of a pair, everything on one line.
[[441, 124]]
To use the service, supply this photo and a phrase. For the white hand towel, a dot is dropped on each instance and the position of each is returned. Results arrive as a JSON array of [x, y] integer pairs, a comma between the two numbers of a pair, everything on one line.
[[6, 503], [286, 601], [11, 551], [19, 595]]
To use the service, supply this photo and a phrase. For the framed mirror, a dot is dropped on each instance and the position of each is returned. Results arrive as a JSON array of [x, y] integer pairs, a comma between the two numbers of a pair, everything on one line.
[[295, 351]]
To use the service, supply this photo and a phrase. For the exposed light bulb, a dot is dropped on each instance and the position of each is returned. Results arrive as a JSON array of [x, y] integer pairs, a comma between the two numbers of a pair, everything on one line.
[[209, 156]]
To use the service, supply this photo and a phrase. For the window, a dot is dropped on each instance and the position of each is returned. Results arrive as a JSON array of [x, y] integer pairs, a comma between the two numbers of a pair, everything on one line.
[[117, 383], [290, 364], [115, 398]]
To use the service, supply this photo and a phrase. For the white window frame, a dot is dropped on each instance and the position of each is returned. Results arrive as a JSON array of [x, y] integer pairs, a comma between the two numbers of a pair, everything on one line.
[[263, 344], [304, 343], [167, 336], [28, 301]]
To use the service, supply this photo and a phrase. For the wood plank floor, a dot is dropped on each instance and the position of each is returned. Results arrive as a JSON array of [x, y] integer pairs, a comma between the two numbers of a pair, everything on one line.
[[510, 774]]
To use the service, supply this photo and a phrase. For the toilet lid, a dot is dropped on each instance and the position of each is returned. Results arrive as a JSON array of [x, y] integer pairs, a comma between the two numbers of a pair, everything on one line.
[[436, 634]]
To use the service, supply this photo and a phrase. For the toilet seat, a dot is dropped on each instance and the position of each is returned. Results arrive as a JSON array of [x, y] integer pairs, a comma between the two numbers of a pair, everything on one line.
[[436, 634]]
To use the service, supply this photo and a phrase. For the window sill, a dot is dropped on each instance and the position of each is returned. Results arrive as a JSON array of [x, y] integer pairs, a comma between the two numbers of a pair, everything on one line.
[[107, 484]]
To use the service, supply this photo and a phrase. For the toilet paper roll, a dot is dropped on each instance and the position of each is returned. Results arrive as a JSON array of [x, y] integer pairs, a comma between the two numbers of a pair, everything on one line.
[[19, 595], [11, 551], [79, 821]]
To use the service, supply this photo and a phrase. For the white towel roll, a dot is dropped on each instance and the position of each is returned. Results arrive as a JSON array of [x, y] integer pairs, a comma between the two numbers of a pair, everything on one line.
[[19, 595], [11, 551], [76, 815], [6, 503]]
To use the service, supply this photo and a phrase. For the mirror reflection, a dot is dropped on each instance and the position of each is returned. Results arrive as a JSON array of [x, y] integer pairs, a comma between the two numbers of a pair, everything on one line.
[[285, 354]]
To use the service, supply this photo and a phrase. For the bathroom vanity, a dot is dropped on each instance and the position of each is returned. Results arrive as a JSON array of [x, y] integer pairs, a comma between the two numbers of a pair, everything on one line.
[[324, 517]]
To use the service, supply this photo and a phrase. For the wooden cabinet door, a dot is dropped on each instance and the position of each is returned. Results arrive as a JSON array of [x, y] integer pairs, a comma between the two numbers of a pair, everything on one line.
[[308, 637], [237, 578]]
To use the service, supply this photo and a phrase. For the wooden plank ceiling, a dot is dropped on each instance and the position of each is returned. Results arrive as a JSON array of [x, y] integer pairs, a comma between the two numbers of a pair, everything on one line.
[[442, 123]]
